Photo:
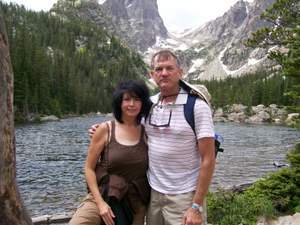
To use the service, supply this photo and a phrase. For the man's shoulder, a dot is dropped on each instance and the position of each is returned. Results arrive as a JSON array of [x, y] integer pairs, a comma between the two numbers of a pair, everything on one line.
[[154, 98]]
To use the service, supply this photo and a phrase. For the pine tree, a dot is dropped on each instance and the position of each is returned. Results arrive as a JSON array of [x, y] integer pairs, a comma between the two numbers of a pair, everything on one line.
[[284, 33]]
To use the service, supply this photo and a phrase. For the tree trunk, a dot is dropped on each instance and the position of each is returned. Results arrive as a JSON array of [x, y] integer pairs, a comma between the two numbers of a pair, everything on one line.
[[12, 211]]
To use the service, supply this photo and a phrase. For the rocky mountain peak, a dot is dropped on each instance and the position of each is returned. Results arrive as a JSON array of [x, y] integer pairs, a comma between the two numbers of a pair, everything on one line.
[[216, 49], [136, 22], [138, 19], [237, 13]]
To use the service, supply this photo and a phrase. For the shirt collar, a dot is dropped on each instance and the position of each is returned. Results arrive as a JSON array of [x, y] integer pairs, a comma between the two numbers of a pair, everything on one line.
[[180, 100]]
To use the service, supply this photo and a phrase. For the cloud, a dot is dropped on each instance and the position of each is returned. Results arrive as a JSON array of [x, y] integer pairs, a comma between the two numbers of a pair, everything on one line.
[[182, 14], [176, 14], [35, 5]]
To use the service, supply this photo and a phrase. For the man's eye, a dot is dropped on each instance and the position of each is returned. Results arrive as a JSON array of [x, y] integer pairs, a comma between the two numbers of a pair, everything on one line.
[[170, 68], [158, 69]]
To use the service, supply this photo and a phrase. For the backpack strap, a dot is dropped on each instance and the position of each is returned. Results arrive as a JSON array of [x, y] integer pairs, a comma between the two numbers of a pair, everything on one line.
[[189, 111]]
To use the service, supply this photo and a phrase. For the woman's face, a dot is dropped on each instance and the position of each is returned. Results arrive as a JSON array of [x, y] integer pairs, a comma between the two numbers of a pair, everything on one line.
[[131, 105]]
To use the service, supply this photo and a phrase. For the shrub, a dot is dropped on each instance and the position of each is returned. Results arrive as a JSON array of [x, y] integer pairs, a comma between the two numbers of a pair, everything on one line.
[[277, 193]]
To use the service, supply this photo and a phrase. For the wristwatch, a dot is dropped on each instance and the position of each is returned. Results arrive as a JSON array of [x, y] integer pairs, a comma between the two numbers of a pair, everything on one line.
[[197, 207]]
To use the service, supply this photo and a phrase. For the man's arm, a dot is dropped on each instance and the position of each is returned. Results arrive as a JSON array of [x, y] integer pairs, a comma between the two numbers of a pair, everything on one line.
[[206, 149]]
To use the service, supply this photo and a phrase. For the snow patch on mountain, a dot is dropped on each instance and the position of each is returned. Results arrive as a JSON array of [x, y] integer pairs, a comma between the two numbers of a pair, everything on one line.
[[196, 65], [250, 62], [101, 1]]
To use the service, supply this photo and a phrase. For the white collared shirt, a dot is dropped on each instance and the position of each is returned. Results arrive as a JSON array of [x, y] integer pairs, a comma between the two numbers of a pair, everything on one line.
[[174, 159]]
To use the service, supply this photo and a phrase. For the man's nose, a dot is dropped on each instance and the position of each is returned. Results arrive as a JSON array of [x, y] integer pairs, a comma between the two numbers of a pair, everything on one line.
[[164, 72]]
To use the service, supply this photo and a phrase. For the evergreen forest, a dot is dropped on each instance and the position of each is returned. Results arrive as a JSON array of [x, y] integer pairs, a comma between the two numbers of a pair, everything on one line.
[[64, 66], [250, 89]]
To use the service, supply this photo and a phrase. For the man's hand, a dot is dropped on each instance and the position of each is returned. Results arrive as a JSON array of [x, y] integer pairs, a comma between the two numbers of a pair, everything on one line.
[[93, 129], [192, 217]]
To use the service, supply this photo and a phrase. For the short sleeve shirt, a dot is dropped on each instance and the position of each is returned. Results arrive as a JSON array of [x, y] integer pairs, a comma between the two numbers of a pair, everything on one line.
[[174, 159]]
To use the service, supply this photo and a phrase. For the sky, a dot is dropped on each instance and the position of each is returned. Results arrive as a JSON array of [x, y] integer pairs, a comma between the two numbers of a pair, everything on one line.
[[176, 14]]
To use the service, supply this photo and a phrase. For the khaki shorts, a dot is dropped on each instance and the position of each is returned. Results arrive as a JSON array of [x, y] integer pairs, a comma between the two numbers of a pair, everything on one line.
[[167, 209], [88, 213]]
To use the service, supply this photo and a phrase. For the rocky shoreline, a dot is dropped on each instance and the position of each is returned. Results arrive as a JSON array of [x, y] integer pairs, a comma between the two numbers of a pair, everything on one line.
[[256, 114], [237, 113]]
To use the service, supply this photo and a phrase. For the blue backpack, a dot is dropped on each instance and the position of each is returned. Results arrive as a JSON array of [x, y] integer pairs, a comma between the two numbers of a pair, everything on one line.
[[189, 115]]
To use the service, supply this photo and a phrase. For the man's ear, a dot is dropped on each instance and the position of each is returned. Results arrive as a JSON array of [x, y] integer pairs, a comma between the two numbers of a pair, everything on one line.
[[181, 72], [151, 74]]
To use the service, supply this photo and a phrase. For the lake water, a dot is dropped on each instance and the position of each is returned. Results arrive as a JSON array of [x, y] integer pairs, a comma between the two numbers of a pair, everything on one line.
[[50, 158]]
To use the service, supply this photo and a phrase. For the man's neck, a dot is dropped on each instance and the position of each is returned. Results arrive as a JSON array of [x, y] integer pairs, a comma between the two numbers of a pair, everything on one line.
[[170, 96], [169, 92]]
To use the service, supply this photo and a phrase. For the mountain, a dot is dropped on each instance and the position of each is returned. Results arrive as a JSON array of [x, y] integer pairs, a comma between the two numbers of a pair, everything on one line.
[[136, 22], [213, 50], [216, 49]]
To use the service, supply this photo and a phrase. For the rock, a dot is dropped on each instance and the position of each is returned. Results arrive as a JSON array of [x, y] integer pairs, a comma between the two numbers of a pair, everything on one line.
[[258, 118], [220, 119], [273, 109], [254, 119], [49, 118], [32, 117], [277, 121], [219, 112], [237, 117], [286, 220], [262, 221], [237, 108], [264, 115], [282, 112], [258, 108], [291, 119]]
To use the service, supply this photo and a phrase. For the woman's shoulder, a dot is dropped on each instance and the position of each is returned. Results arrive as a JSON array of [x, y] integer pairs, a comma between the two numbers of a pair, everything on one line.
[[102, 130]]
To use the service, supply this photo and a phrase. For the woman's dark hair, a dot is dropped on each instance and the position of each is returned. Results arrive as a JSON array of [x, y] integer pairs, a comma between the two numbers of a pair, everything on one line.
[[135, 88]]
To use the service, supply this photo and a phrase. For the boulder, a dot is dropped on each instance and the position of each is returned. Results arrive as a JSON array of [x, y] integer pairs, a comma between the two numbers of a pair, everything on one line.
[[238, 108], [219, 112], [237, 117], [258, 108], [260, 117], [273, 109], [49, 118], [220, 119], [283, 220], [291, 119]]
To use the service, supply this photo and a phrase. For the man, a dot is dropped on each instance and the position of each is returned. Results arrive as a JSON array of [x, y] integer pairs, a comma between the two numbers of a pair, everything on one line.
[[180, 165]]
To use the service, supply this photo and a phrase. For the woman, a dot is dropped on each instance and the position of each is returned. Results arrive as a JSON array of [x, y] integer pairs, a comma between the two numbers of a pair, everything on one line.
[[117, 183]]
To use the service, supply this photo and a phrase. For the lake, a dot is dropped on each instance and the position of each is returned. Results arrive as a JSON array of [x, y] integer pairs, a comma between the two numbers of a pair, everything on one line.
[[50, 159]]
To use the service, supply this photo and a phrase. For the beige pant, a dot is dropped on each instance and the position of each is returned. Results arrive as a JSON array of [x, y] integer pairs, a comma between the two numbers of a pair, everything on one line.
[[167, 209], [88, 213]]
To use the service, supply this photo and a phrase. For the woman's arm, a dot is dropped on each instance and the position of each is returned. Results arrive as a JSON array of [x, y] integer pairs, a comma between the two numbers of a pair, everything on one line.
[[97, 145]]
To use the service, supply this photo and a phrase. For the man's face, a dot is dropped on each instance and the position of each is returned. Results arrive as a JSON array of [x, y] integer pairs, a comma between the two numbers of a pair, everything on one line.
[[166, 73]]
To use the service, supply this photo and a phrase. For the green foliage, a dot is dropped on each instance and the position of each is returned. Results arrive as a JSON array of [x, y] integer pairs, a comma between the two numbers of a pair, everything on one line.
[[228, 208], [282, 187], [55, 107], [277, 193], [294, 157], [284, 32], [249, 90], [64, 65]]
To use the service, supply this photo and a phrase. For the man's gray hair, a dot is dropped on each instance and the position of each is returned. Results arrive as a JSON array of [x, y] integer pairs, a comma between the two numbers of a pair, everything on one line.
[[163, 55]]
